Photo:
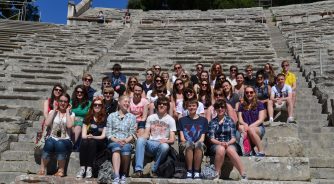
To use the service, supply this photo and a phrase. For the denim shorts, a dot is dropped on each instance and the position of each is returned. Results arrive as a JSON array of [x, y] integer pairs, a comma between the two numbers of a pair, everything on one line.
[[190, 145], [262, 131], [141, 124], [125, 150]]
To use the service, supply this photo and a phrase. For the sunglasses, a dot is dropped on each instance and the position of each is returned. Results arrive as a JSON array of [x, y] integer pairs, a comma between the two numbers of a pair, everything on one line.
[[176, 68], [219, 94], [151, 74], [157, 68], [163, 104], [106, 83], [199, 68], [107, 93], [233, 70], [62, 101], [219, 107], [97, 105], [249, 70], [249, 92], [58, 89], [179, 84], [222, 79], [204, 84], [133, 81], [88, 79], [79, 92], [160, 91], [158, 81]]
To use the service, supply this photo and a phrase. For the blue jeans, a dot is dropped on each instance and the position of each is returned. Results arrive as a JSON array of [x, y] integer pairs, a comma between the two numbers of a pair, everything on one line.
[[154, 148], [61, 148]]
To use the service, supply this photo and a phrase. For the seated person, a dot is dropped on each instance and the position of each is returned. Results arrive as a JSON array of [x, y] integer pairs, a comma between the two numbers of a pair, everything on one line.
[[106, 83], [93, 137], [60, 120], [251, 115], [263, 91], [222, 134], [192, 134], [159, 134], [121, 127], [290, 79], [281, 95]]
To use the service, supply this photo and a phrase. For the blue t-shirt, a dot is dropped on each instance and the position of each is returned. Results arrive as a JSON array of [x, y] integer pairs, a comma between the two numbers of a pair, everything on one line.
[[252, 115], [193, 128]]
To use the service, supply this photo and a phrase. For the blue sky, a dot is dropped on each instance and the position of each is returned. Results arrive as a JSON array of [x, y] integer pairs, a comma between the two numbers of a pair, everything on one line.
[[55, 11]]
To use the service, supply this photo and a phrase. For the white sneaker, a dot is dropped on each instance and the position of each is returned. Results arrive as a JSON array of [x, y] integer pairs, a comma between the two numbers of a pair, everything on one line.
[[291, 120], [115, 180], [197, 175], [189, 175], [81, 172], [271, 119], [89, 172], [123, 179]]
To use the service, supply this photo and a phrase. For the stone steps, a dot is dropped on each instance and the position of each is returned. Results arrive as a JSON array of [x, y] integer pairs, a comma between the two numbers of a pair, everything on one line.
[[17, 156]]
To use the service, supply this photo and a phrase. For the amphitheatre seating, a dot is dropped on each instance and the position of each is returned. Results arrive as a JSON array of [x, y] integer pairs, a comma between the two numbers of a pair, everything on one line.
[[231, 37]]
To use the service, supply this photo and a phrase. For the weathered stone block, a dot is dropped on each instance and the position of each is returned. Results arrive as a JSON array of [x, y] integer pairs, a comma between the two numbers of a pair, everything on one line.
[[4, 141], [283, 147], [278, 129]]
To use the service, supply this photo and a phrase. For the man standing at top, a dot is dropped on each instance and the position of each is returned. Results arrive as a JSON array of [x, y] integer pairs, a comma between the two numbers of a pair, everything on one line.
[[196, 78], [87, 80], [290, 79], [118, 79]]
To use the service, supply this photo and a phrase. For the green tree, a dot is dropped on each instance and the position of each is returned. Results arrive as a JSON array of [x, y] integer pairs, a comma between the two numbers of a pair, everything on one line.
[[19, 10]]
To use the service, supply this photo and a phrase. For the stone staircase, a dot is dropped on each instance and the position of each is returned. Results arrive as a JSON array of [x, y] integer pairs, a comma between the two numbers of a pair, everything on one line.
[[295, 153]]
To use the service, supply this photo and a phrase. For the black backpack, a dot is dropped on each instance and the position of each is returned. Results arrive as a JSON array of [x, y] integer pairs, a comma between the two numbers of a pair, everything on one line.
[[172, 166]]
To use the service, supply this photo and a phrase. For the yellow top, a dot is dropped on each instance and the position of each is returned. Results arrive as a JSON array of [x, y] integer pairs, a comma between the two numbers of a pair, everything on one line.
[[290, 78]]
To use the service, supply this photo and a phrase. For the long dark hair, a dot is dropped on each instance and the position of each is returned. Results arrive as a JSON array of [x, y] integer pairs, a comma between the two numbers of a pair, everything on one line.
[[52, 98], [207, 93], [175, 90], [101, 116], [75, 101], [185, 97]]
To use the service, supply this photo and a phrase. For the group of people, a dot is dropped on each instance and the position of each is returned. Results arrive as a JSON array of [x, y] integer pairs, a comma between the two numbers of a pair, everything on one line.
[[206, 113]]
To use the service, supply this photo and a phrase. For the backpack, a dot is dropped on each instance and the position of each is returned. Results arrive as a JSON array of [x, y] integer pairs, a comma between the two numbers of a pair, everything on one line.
[[105, 173], [100, 164], [173, 166]]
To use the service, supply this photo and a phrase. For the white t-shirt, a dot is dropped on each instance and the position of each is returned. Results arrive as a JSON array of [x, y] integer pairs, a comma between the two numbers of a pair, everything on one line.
[[184, 112], [232, 81], [284, 92], [59, 129], [160, 128]]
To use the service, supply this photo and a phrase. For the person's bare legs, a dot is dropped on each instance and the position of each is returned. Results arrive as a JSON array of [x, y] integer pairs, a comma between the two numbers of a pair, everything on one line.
[[290, 107], [270, 108], [219, 158], [198, 156], [44, 164], [116, 162], [235, 159], [61, 166], [125, 164], [189, 156], [254, 135], [77, 133]]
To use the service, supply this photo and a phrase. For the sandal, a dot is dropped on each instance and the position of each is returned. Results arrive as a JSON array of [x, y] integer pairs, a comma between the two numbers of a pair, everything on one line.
[[59, 173], [41, 173]]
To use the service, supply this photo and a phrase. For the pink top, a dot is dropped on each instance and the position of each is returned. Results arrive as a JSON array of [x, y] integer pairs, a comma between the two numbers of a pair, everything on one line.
[[138, 109]]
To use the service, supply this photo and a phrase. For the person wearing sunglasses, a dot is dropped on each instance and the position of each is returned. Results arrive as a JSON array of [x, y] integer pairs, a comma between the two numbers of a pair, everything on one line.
[[177, 69], [263, 92], [157, 70], [106, 82], [251, 114], [195, 79], [159, 135], [182, 110], [160, 92], [80, 106], [177, 95], [118, 79], [93, 137], [281, 95], [60, 121], [222, 135], [108, 100], [49, 103], [219, 81], [211, 113], [205, 94], [233, 74], [290, 79], [184, 76], [192, 129], [167, 81], [133, 80], [120, 131], [250, 80], [87, 80], [149, 82], [152, 94]]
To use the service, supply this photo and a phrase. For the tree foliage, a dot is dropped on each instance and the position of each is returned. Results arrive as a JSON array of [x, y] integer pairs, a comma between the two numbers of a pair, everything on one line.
[[19, 10], [203, 4]]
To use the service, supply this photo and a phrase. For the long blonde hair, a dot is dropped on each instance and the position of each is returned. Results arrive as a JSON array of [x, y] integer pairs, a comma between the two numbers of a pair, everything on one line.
[[250, 104]]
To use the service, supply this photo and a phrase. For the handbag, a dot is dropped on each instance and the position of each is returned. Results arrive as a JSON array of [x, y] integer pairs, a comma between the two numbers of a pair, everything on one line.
[[42, 135], [208, 171]]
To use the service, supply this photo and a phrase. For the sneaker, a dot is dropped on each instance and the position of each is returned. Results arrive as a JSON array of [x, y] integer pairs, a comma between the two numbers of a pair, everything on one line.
[[123, 179], [260, 154], [81, 172], [197, 175], [137, 174], [89, 172], [154, 174], [244, 177], [291, 120], [271, 119], [115, 180], [189, 175]]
